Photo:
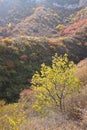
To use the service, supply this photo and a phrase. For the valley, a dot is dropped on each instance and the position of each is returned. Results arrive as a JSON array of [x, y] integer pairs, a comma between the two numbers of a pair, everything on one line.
[[32, 34]]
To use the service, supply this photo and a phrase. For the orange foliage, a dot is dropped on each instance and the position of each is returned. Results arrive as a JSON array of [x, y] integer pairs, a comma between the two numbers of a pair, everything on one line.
[[7, 40], [10, 64], [53, 47]]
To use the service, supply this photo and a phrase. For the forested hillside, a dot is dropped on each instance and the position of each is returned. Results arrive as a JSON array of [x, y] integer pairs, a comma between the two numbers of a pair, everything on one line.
[[43, 64]]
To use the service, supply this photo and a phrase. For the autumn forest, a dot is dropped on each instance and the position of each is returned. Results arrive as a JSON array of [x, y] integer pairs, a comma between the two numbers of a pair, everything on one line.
[[43, 65]]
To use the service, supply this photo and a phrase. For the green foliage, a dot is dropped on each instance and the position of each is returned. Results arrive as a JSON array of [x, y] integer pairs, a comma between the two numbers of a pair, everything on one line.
[[53, 84], [18, 62]]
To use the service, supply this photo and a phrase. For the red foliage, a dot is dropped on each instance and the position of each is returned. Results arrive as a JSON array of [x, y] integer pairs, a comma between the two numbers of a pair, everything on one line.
[[24, 57], [73, 28], [27, 92]]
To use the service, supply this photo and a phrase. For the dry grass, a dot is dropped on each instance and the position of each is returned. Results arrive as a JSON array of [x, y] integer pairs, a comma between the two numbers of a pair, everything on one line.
[[82, 70], [74, 117], [54, 121]]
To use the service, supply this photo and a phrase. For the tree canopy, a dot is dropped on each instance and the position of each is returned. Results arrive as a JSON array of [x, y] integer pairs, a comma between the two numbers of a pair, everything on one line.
[[53, 84]]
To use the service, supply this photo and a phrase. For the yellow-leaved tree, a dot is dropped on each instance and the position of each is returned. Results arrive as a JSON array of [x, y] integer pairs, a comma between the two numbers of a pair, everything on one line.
[[53, 84]]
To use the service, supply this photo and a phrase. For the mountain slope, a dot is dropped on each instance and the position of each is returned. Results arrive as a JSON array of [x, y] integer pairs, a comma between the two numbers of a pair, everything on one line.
[[29, 18], [79, 15], [41, 23], [31, 33], [77, 23]]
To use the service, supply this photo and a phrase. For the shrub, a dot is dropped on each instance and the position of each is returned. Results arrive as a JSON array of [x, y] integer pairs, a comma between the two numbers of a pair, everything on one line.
[[82, 71], [60, 27], [76, 106], [12, 117]]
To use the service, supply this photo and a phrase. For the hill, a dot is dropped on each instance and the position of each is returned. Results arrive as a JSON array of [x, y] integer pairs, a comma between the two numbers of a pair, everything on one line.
[[30, 34], [21, 57], [35, 18], [79, 15], [82, 70], [41, 23]]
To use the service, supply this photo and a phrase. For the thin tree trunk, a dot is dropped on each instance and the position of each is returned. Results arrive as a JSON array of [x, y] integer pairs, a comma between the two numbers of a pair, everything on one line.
[[61, 109]]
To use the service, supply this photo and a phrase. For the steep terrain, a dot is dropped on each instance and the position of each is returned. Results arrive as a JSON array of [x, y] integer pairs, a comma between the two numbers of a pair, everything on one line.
[[34, 18], [41, 23], [82, 70], [31, 33], [21, 57]]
